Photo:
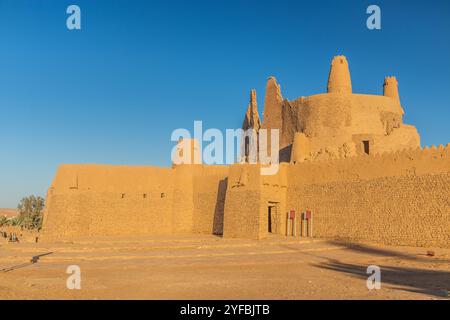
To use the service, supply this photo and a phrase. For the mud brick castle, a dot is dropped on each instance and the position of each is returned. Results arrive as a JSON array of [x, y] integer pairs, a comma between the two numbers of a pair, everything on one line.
[[347, 158]]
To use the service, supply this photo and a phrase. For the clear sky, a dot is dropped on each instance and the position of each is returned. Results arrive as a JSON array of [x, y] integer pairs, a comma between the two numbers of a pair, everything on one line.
[[113, 92]]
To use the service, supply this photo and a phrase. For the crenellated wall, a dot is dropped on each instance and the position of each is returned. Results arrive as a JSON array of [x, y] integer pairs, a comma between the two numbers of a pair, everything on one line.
[[400, 198]]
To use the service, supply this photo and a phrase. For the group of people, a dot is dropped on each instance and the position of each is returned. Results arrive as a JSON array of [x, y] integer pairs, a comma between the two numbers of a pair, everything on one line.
[[12, 236]]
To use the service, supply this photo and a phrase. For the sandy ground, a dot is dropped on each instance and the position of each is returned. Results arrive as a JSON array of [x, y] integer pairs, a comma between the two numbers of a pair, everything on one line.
[[9, 213], [208, 267]]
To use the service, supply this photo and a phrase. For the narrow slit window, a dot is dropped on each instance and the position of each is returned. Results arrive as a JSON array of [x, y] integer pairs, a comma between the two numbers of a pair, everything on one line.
[[366, 147]]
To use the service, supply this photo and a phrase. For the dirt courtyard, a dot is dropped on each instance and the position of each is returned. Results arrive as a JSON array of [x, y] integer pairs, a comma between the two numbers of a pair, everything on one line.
[[209, 267]]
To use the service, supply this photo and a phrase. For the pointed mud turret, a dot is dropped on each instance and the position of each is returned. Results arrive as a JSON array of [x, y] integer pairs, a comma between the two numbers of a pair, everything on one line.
[[251, 119], [272, 105], [339, 80], [390, 88]]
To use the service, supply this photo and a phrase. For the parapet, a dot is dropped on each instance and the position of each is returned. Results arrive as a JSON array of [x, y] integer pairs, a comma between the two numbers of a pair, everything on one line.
[[407, 162]]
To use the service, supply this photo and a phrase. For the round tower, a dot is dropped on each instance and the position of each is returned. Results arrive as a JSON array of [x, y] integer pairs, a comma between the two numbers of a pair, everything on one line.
[[390, 88], [339, 80]]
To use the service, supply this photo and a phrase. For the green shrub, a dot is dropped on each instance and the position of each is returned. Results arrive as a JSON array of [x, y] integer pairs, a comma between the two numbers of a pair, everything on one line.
[[30, 212]]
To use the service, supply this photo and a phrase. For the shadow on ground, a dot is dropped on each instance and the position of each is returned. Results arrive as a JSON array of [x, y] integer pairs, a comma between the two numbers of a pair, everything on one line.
[[385, 252], [424, 281], [430, 282]]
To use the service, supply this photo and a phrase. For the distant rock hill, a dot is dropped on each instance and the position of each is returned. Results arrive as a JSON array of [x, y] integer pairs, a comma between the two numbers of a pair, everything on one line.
[[9, 213]]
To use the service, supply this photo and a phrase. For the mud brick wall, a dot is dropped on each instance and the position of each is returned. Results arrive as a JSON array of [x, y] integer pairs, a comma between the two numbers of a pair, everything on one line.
[[401, 198]]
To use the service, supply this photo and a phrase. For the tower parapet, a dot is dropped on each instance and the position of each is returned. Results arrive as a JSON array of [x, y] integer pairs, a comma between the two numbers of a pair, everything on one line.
[[339, 80]]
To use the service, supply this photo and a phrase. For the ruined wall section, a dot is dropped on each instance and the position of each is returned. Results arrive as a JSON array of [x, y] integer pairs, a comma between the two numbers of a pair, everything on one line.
[[272, 105], [401, 198]]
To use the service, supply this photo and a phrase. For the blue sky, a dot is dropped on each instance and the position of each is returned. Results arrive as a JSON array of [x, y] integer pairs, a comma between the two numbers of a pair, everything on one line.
[[114, 91]]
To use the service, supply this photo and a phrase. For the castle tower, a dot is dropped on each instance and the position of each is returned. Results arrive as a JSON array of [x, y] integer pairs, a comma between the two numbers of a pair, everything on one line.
[[390, 88], [339, 80]]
